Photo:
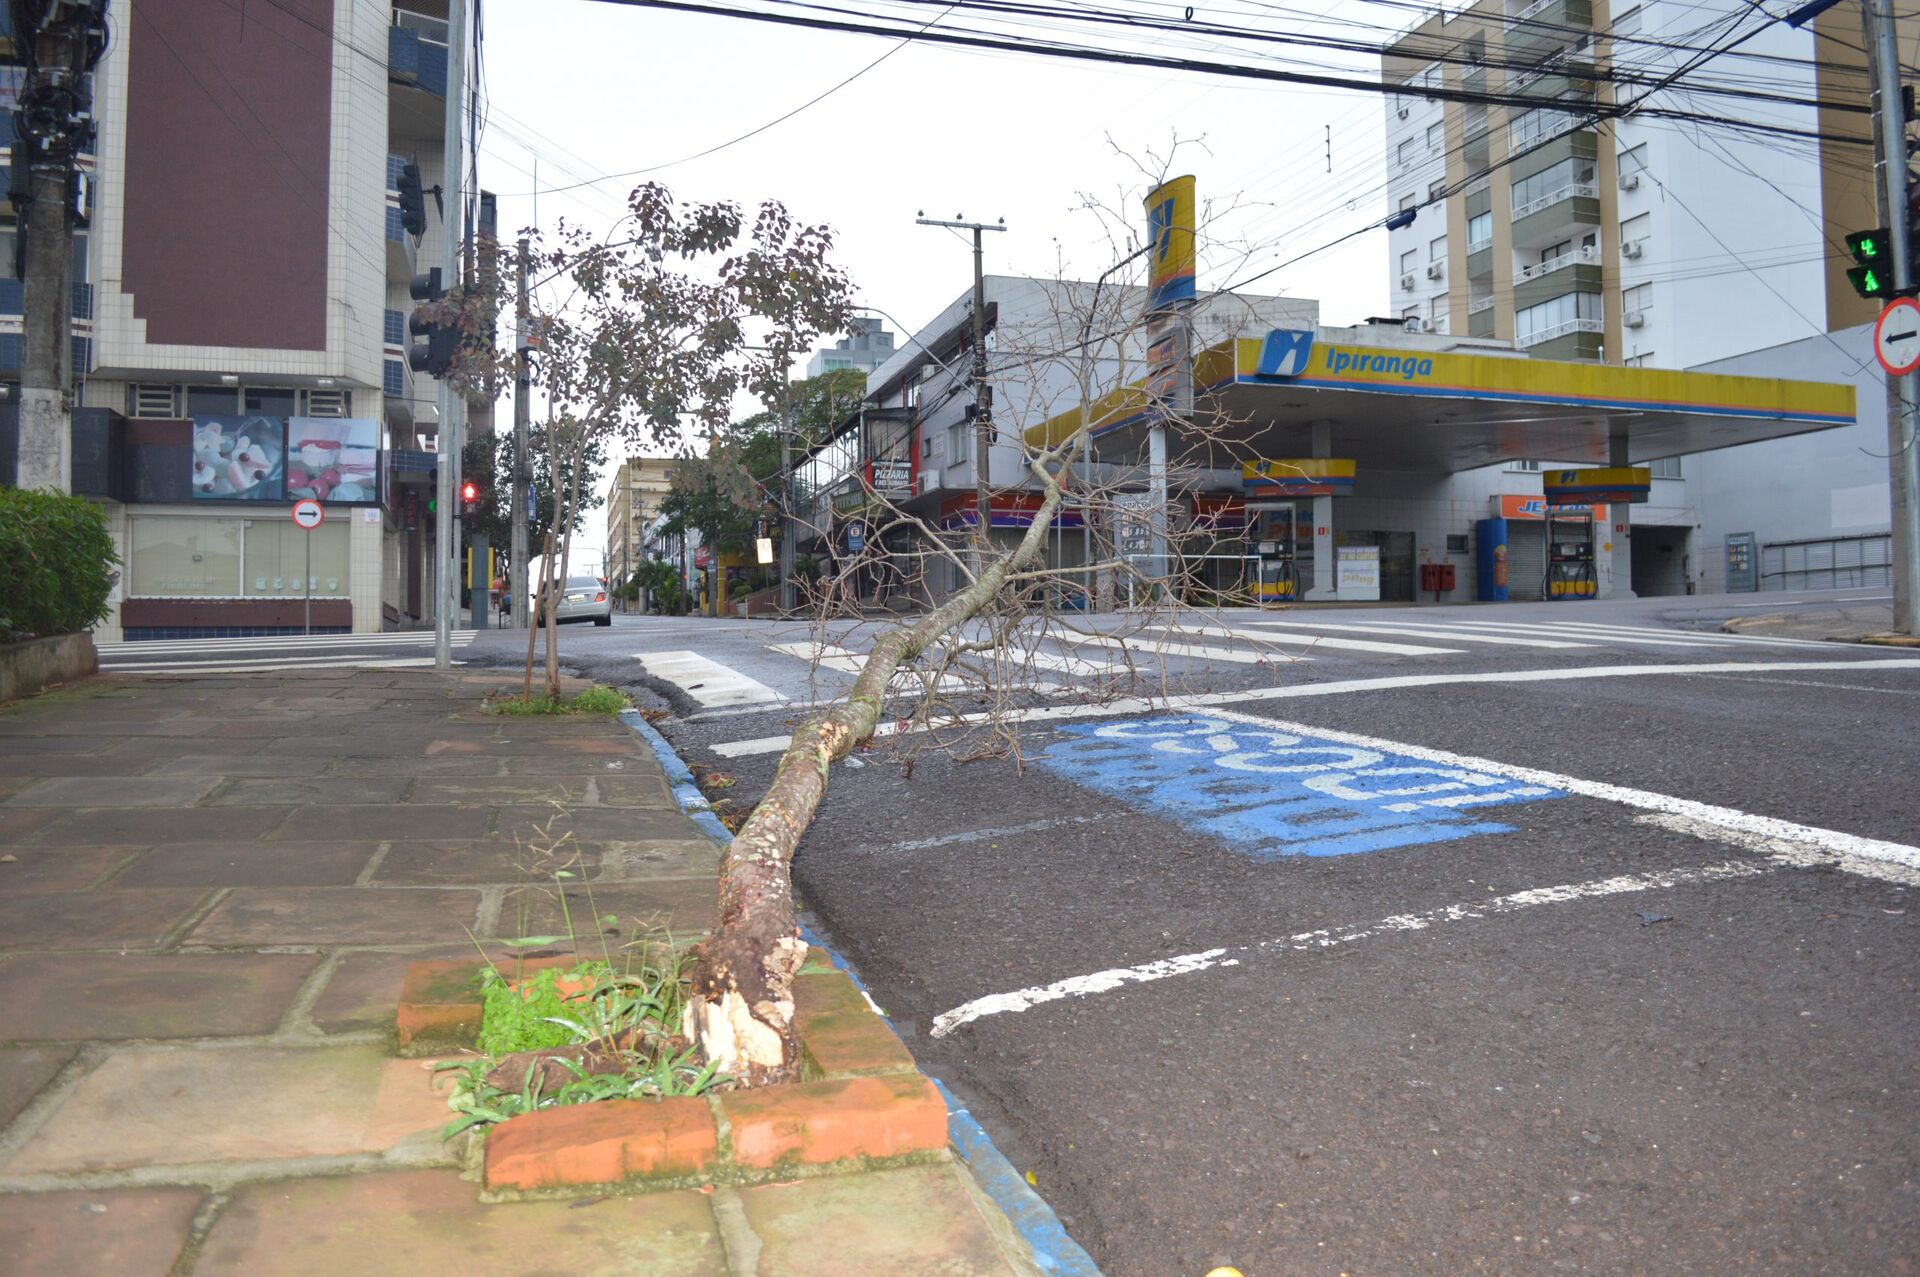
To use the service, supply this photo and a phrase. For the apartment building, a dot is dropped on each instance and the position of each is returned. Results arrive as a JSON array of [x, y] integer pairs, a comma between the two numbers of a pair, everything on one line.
[[639, 485], [1641, 240], [866, 346], [241, 293]]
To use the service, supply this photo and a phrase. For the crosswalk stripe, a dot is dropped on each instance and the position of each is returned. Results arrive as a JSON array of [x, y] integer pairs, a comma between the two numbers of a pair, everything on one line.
[[1646, 640], [708, 682], [1715, 639], [1191, 651], [1434, 631], [834, 657], [273, 642], [269, 666], [1267, 635]]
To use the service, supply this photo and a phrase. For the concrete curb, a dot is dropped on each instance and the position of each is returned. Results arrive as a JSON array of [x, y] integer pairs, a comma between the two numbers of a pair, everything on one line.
[[1054, 1252]]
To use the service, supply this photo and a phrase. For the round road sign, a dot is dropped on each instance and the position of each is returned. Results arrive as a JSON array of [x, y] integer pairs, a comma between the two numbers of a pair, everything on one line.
[[1896, 338], [307, 514]]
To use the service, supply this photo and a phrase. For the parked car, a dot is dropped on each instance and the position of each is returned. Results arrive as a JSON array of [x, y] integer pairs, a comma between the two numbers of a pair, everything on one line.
[[585, 599]]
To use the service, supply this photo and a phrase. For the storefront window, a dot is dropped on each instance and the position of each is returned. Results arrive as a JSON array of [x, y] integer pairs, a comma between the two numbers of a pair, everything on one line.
[[178, 557], [276, 559]]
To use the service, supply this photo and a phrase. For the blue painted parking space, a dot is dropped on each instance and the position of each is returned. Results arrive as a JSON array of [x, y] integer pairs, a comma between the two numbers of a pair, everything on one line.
[[1270, 794]]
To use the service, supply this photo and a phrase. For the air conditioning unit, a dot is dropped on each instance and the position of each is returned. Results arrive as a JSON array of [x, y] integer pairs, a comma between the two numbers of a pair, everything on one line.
[[1630, 182], [1413, 324], [1401, 112], [1632, 248], [1406, 283], [1434, 269], [1635, 319]]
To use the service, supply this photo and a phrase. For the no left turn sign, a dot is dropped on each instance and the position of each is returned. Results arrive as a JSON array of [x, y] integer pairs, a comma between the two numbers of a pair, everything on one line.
[[307, 514], [1896, 338]]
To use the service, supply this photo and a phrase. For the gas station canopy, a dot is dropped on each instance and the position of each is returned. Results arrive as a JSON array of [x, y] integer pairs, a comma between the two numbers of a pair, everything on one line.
[[1408, 407]]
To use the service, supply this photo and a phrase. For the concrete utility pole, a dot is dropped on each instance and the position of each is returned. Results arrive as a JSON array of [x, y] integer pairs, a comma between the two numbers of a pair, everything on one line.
[[54, 123], [522, 469], [1903, 393], [445, 529], [788, 524], [982, 389]]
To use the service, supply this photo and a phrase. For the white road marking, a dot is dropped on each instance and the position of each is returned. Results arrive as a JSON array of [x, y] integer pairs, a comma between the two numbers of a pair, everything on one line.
[[1309, 941], [1191, 651], [1003, 831], [833, 657], [271, 666], [1829, 841], [275, 642], [1654, 637], [710, 683], [1788, 851], [1434, 632], [1597, 635], [1265, 635], [1128, 705], [1838, 687]]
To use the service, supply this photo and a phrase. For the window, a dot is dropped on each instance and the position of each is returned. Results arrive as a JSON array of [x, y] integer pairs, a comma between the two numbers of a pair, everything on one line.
[[1639, 297], [1627, 23], [1408, 201], [1403, 154], [1553, 180], [1408, 261], [1411, 312], [1436, 190], [1552, 251], [1527, 467], [1550, 319], [1456, 543], [184, 558], [1633, 160], [1479, 232], [211, 400], [1634, 230], [149, 400], [1642, 360], [1437, 249], [1436, 138], [269, 401], [957, 443], [326, 403], [1665, 468], [926, 445], [276, 556]]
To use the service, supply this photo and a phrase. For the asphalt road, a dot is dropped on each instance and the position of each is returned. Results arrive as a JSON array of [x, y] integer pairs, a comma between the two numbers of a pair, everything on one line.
[[1497, 958]]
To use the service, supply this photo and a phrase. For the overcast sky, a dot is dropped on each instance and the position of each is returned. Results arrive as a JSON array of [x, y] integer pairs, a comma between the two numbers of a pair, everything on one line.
[[588, 89]]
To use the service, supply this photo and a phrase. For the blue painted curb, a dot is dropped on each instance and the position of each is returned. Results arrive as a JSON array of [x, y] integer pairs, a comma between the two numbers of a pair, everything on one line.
[[679, 776], [1054, 1252]]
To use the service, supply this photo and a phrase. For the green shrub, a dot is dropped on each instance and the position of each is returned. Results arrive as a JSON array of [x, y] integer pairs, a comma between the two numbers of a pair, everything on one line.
[[56, 564], [522, 1018]]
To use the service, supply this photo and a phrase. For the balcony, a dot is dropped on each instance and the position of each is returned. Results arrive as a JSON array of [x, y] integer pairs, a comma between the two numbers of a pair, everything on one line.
[[1478, 184], [414, 57], [402, 253], [1543, 124], [1573, 190], [1479, 304], [1558, 336], [1575, 272], [1541, 270], [1544, 23]]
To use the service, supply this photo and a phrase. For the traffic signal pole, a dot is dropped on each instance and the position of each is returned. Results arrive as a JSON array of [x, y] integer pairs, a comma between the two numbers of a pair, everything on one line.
[[446, 539], [1903, 393]]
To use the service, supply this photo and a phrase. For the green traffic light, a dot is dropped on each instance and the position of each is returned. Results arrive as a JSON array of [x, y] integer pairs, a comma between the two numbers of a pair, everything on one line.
[[1868, 247], [1868, 281]]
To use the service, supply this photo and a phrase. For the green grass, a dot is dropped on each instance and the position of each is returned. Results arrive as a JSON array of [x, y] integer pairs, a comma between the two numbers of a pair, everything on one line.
[[595, 700]]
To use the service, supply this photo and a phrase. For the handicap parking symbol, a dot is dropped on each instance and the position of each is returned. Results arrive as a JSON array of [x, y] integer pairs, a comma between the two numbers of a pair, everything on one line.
[[1270, 793]]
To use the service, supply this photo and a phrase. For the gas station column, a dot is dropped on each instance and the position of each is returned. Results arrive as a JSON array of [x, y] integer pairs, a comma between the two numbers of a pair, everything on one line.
[[1615, 556], [1324, 576]]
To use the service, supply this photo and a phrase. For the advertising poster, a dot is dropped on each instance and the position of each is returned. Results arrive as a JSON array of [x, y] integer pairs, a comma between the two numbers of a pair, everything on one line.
[[333, 459], [239, 458]]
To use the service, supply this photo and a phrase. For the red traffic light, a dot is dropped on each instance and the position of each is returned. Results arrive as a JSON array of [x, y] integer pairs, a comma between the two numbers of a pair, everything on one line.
[[469, 492]]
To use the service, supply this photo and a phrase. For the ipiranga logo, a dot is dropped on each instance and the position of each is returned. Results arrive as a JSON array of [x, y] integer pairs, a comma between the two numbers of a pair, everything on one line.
[[1406, 367]]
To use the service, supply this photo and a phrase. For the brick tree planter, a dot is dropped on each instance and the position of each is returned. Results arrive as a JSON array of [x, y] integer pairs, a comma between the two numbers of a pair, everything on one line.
[[860, 1104]]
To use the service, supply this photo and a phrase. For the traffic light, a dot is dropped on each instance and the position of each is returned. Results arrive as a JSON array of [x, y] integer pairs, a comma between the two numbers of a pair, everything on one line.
[[469, 497], [413, 201], [1873, 277], [434, 356]]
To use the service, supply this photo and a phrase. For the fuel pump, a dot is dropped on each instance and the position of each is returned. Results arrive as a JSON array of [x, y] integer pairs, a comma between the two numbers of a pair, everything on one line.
[[1571, 537], [1276, 544]]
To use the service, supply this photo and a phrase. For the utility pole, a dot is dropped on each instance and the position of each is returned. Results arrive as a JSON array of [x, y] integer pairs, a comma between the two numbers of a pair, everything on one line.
[[1903, 393], [54, 122], [445, 529], [788, 524], [982, 388], [522, 470]]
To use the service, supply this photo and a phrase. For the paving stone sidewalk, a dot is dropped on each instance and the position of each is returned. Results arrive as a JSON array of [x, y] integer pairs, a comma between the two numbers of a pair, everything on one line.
[[209, 890]]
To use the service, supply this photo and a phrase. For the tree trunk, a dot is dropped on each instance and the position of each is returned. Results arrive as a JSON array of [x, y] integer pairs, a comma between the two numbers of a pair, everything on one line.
[[740, 1012]]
